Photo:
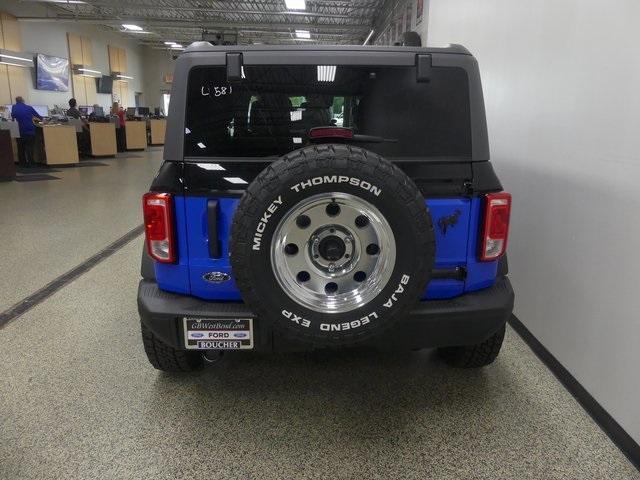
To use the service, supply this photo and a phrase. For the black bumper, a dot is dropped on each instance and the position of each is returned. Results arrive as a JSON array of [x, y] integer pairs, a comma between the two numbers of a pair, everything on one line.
[[464, 320]]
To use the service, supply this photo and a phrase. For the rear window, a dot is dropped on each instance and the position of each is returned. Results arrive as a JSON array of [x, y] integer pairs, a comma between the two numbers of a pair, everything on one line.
[[272, 108]]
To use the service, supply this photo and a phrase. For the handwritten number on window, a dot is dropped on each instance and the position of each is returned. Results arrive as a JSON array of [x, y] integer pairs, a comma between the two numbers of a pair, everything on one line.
[[217, 91]]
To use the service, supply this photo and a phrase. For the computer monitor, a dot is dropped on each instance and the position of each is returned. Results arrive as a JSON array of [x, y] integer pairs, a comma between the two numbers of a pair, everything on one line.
[[131, 112], [42, 110], [143, 111], [84, 111], [98, 112]]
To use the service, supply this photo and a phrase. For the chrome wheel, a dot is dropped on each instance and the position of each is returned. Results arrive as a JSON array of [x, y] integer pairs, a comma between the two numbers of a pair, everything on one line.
[[333, 252]]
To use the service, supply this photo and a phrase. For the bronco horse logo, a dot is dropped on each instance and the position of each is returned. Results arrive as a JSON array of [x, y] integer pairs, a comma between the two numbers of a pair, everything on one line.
[[449, 221]]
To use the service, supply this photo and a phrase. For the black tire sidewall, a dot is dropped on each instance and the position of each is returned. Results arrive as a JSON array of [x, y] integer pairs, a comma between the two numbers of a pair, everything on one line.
[[387, 193]]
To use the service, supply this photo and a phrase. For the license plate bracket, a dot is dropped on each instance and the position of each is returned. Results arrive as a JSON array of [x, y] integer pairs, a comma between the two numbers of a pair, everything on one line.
[[203, 333]]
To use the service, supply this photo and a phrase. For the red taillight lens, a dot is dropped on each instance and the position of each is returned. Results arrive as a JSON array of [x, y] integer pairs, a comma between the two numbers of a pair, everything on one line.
[[330, 132], [158, 226], [496, 226]]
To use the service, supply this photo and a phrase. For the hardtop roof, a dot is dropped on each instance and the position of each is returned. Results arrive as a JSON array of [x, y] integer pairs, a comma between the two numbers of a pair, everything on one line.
[[208, 47]]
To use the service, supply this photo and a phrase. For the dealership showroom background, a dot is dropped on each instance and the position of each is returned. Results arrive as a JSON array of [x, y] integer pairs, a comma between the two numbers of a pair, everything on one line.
[[80, 400]]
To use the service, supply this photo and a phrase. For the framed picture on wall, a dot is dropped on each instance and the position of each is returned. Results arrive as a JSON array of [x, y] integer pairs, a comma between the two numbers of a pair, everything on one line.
[[419, 11]]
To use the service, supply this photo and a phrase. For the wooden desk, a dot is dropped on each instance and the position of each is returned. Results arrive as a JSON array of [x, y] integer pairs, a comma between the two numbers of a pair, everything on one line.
[[103, 139], [157, 128], [56, 145], [14, 134], [136, 135], [7, 166]]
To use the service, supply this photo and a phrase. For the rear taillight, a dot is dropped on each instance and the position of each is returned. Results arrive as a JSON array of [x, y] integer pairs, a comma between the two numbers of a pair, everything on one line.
[[158, 226], [496, 226]]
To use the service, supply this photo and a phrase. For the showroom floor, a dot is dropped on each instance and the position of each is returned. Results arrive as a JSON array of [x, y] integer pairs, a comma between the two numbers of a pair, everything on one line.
[[79, 400]]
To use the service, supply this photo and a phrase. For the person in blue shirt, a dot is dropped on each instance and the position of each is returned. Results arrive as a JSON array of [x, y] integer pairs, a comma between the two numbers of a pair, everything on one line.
[[24, 114]]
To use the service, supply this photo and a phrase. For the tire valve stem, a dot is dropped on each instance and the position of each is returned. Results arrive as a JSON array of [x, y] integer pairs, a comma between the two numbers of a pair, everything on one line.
[[332, 267]]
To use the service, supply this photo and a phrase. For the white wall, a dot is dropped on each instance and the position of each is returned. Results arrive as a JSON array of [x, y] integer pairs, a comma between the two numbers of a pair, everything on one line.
[[156, 64], [562, 90], [51, 38]]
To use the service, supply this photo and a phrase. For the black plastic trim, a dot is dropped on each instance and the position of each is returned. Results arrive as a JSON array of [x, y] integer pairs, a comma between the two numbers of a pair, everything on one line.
[[212, 229], [423, 68], [627, 445], [465, 320], [234, 67], [456, 273], [169, 178]]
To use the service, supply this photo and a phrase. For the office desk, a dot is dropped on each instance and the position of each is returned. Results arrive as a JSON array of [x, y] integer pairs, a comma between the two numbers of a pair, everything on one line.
[[7, 155], [157, 128], [56, 145], [103, 139], [136, 135], [14, 133]]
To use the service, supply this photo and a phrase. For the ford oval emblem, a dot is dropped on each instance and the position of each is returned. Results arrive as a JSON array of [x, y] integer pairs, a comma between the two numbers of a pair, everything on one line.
[[216, 277]]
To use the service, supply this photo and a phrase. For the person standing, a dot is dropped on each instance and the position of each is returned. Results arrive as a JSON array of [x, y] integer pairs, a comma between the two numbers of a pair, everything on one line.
[[73, 111], [120, 132], [24, 115]]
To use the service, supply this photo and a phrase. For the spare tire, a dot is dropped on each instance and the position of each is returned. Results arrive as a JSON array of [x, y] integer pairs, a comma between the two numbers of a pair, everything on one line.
[[332, 243]]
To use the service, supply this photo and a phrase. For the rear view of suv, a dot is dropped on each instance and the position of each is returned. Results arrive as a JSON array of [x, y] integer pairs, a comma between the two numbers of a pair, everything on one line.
[[316, 197]]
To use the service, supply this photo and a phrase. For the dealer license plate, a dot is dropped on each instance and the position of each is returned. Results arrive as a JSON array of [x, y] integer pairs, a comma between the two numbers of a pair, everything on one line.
[[218, 333]]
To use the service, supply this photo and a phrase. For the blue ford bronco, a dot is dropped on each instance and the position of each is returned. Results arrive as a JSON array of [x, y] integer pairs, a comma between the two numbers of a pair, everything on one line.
[[322, 196]]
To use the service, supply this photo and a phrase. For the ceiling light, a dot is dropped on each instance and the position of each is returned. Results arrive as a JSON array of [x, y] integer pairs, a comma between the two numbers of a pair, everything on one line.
[[303, 34], [170, 43], [124, 76], [13, 64], [135, 28], [201, 145], [176, 46], [326, 73], [15, 57], [235, 180], [295, 4], [88, 70]]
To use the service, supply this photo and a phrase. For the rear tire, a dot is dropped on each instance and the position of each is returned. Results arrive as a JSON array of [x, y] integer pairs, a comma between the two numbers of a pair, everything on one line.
[[166, 358], [474, 356]]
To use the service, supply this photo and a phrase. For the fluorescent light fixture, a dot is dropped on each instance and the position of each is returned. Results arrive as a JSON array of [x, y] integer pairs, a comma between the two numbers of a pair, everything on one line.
[[211, 166], [295, 4], [201, 145], [16, 57], [303, 34], [124, 76], [176, 46], [88, 70], [326, 73], [13, 64], [170, 43], [235, 180], [134, 28]]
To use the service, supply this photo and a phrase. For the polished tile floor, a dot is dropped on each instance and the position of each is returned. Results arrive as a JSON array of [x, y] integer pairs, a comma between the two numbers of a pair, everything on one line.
[[79, 400]]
